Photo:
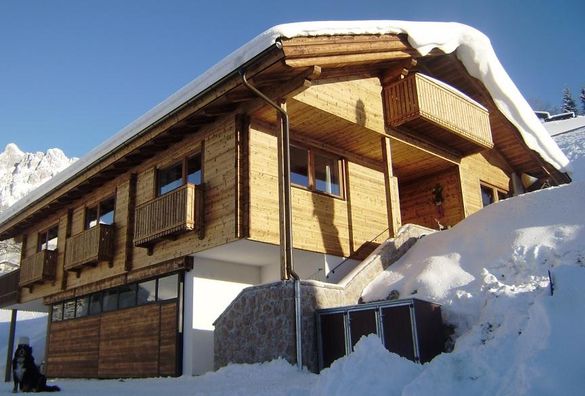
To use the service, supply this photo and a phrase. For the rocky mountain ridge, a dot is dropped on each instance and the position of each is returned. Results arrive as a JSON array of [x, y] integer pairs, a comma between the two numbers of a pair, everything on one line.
[[20, 173]]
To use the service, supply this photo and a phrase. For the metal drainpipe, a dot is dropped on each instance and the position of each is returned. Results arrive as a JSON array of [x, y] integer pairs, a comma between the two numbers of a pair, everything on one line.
[[285, 198]]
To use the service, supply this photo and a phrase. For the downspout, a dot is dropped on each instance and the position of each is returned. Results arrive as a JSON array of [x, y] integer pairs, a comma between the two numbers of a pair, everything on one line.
[[286, 258]]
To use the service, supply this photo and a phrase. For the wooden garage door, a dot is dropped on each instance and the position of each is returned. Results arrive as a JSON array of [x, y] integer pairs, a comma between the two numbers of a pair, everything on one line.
[[134, 342]]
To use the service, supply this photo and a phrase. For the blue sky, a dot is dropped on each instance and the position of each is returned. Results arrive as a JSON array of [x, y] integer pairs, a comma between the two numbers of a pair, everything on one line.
[[73, 73]]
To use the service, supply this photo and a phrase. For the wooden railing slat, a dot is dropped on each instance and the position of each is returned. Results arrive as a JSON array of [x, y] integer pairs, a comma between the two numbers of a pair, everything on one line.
[[420, 96], [165, 215], [90, 246]]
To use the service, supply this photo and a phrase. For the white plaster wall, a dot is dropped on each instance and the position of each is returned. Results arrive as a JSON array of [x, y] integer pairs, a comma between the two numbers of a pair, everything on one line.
[[308, 265], [209, 288]]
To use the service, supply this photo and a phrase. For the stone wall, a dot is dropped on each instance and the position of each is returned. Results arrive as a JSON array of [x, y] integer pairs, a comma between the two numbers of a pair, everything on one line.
[[259, 325]]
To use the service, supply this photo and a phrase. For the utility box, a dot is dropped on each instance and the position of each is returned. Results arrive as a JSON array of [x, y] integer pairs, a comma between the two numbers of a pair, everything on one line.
[[412, 328]]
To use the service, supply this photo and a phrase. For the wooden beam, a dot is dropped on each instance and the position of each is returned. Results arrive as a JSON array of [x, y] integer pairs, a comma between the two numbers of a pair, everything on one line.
[[408, 139], [345, 60], [391, 184]]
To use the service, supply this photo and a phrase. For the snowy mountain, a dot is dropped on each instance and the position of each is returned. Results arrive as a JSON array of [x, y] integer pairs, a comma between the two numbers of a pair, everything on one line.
[[20, 173]]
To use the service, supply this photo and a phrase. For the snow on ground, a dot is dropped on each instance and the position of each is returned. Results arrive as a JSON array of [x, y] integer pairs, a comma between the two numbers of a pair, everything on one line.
[[490, 273], [573, 145]]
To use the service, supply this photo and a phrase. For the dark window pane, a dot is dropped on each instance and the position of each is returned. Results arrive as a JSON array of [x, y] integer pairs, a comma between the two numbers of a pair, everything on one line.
[[107, 211], [170, 178], [299, 166], [69, 309], [82, 307], [194, 169], [91, 215], [127, 297], [146, 292], [110, 302], [502, 195], [168, 287], [487, 195], [57, 314], [95, 304], [327, 175], [42, 243]]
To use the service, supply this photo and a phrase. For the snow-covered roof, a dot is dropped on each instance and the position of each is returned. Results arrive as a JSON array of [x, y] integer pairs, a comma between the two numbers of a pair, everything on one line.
[[565, 126], [471, 47]]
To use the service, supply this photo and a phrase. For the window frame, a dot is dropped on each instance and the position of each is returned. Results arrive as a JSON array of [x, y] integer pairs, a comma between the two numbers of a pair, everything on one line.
[[495, 191], [98, 206], [46, 239], [183, 161], [311, 174]]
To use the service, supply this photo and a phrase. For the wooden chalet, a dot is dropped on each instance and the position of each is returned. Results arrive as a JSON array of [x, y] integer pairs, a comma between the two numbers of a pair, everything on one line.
[[137, 250]]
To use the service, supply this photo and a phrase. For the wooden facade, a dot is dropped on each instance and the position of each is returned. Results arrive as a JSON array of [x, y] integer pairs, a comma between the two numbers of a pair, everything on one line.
[[404, 150], [135, 342]]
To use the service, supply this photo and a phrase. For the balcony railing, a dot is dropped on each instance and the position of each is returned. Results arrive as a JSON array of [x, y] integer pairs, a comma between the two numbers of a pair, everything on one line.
[[439, 112], [90, 247], [9, 288], [38, 268], [166, 216]]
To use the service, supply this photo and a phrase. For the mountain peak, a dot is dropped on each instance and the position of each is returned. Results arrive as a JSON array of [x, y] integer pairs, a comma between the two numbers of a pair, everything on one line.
[[12, 148]]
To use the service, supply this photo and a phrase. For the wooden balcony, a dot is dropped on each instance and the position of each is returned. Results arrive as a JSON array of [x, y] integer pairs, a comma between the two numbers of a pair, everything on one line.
[[167, 216], [428, 108], [38, 268], [9, 288], [90, 247]]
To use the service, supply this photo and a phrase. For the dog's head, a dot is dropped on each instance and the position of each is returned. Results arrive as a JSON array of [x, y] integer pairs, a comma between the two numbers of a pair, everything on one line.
[[23, 351]]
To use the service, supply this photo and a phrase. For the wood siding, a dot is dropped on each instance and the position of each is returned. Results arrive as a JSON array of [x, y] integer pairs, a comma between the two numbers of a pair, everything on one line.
[[134, 342], [321, 223], [219, 175], [417, 205], [487, 167]]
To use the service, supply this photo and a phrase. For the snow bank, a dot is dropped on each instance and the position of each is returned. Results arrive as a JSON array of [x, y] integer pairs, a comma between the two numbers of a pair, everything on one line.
[[369, 370], [490, 273], [573, 145], [472, 47]]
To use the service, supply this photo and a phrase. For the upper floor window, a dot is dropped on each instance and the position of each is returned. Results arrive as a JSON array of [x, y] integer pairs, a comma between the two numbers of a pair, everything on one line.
[[316, 170], [102, 213], [187, 170], [491, 194], [48, 239]]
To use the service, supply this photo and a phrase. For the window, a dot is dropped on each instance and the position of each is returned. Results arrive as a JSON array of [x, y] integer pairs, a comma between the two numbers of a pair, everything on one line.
[[69, 310], [491, 194], [178, 174], [127, 296], [110, 300], [48, 239], [327, 174], [168, 287], [57, 313], [146, 292], [95, 304], [315, 170], [102, 213], [82, 307]]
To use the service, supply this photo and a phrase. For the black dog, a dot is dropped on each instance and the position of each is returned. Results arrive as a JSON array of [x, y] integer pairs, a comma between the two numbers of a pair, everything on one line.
[[26, 374]]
